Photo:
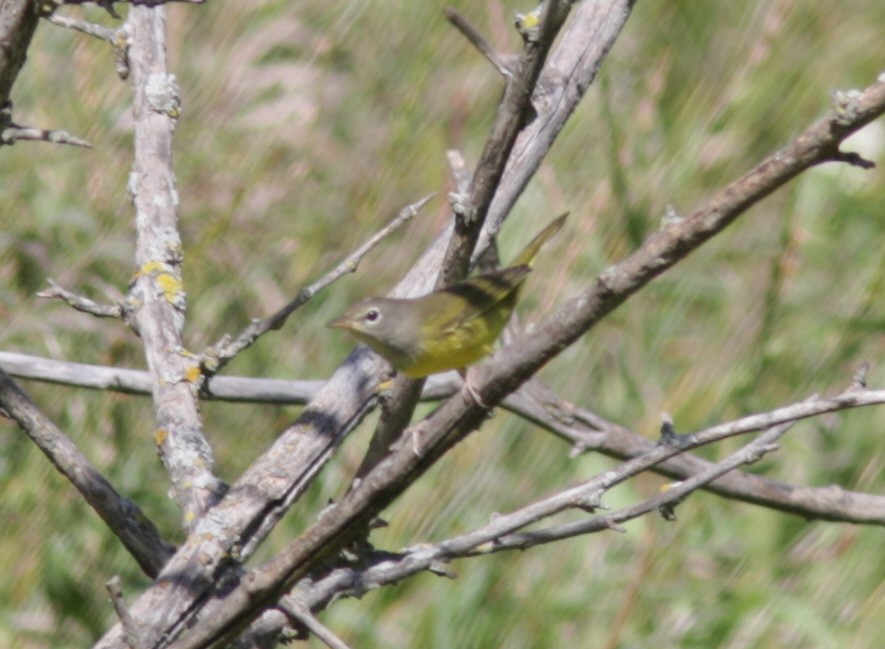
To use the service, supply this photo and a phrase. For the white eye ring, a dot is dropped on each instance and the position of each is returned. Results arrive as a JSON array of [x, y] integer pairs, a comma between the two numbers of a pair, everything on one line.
[[373, 315]]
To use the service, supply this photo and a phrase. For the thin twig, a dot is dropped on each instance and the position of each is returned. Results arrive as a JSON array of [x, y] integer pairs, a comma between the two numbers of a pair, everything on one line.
[[84, 304], [119, 38], [389, 568], [665, 501], [10, 132], [301, 615], [503, 63], [132, 637], [90, 29], [221, 353]]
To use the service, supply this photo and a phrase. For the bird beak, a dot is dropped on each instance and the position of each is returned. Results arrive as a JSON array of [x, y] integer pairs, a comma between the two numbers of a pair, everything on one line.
[[344, 322]]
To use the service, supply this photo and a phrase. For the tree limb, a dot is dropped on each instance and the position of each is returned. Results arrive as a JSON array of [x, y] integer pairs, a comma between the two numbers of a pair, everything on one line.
[[119, 38], [157, 289], [585, 430], [134, 529], [18, 22], [81, 303]]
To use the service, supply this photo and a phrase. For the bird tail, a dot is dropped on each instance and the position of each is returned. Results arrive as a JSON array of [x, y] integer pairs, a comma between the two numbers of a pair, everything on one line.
[[527, 256]]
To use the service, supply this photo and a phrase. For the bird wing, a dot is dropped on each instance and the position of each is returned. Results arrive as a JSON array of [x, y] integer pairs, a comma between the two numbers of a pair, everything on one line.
[[483, 293]]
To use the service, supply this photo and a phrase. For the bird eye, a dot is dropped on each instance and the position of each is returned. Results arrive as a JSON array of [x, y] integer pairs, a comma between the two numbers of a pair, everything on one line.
[[372, 315]]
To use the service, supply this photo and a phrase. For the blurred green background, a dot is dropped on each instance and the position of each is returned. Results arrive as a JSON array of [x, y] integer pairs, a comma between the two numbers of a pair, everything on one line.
[[306, 126]]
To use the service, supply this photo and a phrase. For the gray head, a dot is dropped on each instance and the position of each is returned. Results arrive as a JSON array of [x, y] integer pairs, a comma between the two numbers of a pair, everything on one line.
[[389, 326]]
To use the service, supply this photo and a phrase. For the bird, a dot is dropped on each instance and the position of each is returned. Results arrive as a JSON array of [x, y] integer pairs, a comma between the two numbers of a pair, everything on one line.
[[448, 329]]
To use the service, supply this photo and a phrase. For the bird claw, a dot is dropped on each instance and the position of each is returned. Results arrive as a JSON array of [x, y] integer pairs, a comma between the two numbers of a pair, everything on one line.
[[416, 449], [465, 375]]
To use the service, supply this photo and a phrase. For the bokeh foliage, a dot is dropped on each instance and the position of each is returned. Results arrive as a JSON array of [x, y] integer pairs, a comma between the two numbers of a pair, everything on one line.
[[307, 125]]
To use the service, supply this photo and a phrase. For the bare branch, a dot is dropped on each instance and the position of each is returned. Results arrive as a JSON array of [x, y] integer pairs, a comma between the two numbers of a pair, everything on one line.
[[119, 38], [389, 568], [588, 431], [256, 501], [665, 502], [18, 22], [514, 111], [132, 637], [157, 288], [585, 430], [302, 615], [222, 352], [118, 379], [84, 304], [569, 72], [10, 132], [503, 64], [134, 529], [90, 29]]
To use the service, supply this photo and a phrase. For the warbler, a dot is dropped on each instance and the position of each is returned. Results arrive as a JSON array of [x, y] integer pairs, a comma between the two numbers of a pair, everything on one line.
[[447, 329]]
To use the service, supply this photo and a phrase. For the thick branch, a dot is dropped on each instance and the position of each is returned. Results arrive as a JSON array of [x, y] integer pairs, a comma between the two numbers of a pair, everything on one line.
[[158, 288], [255, 502], [584, 44], [514, 112], [18, 22], [122, 516]]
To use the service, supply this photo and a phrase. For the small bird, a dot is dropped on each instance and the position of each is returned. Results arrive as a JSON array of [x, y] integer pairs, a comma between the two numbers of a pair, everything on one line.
[[447, 329]]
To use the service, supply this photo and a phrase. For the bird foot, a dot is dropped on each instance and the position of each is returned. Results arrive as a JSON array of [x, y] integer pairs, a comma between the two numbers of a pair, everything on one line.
[[473, 393]]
